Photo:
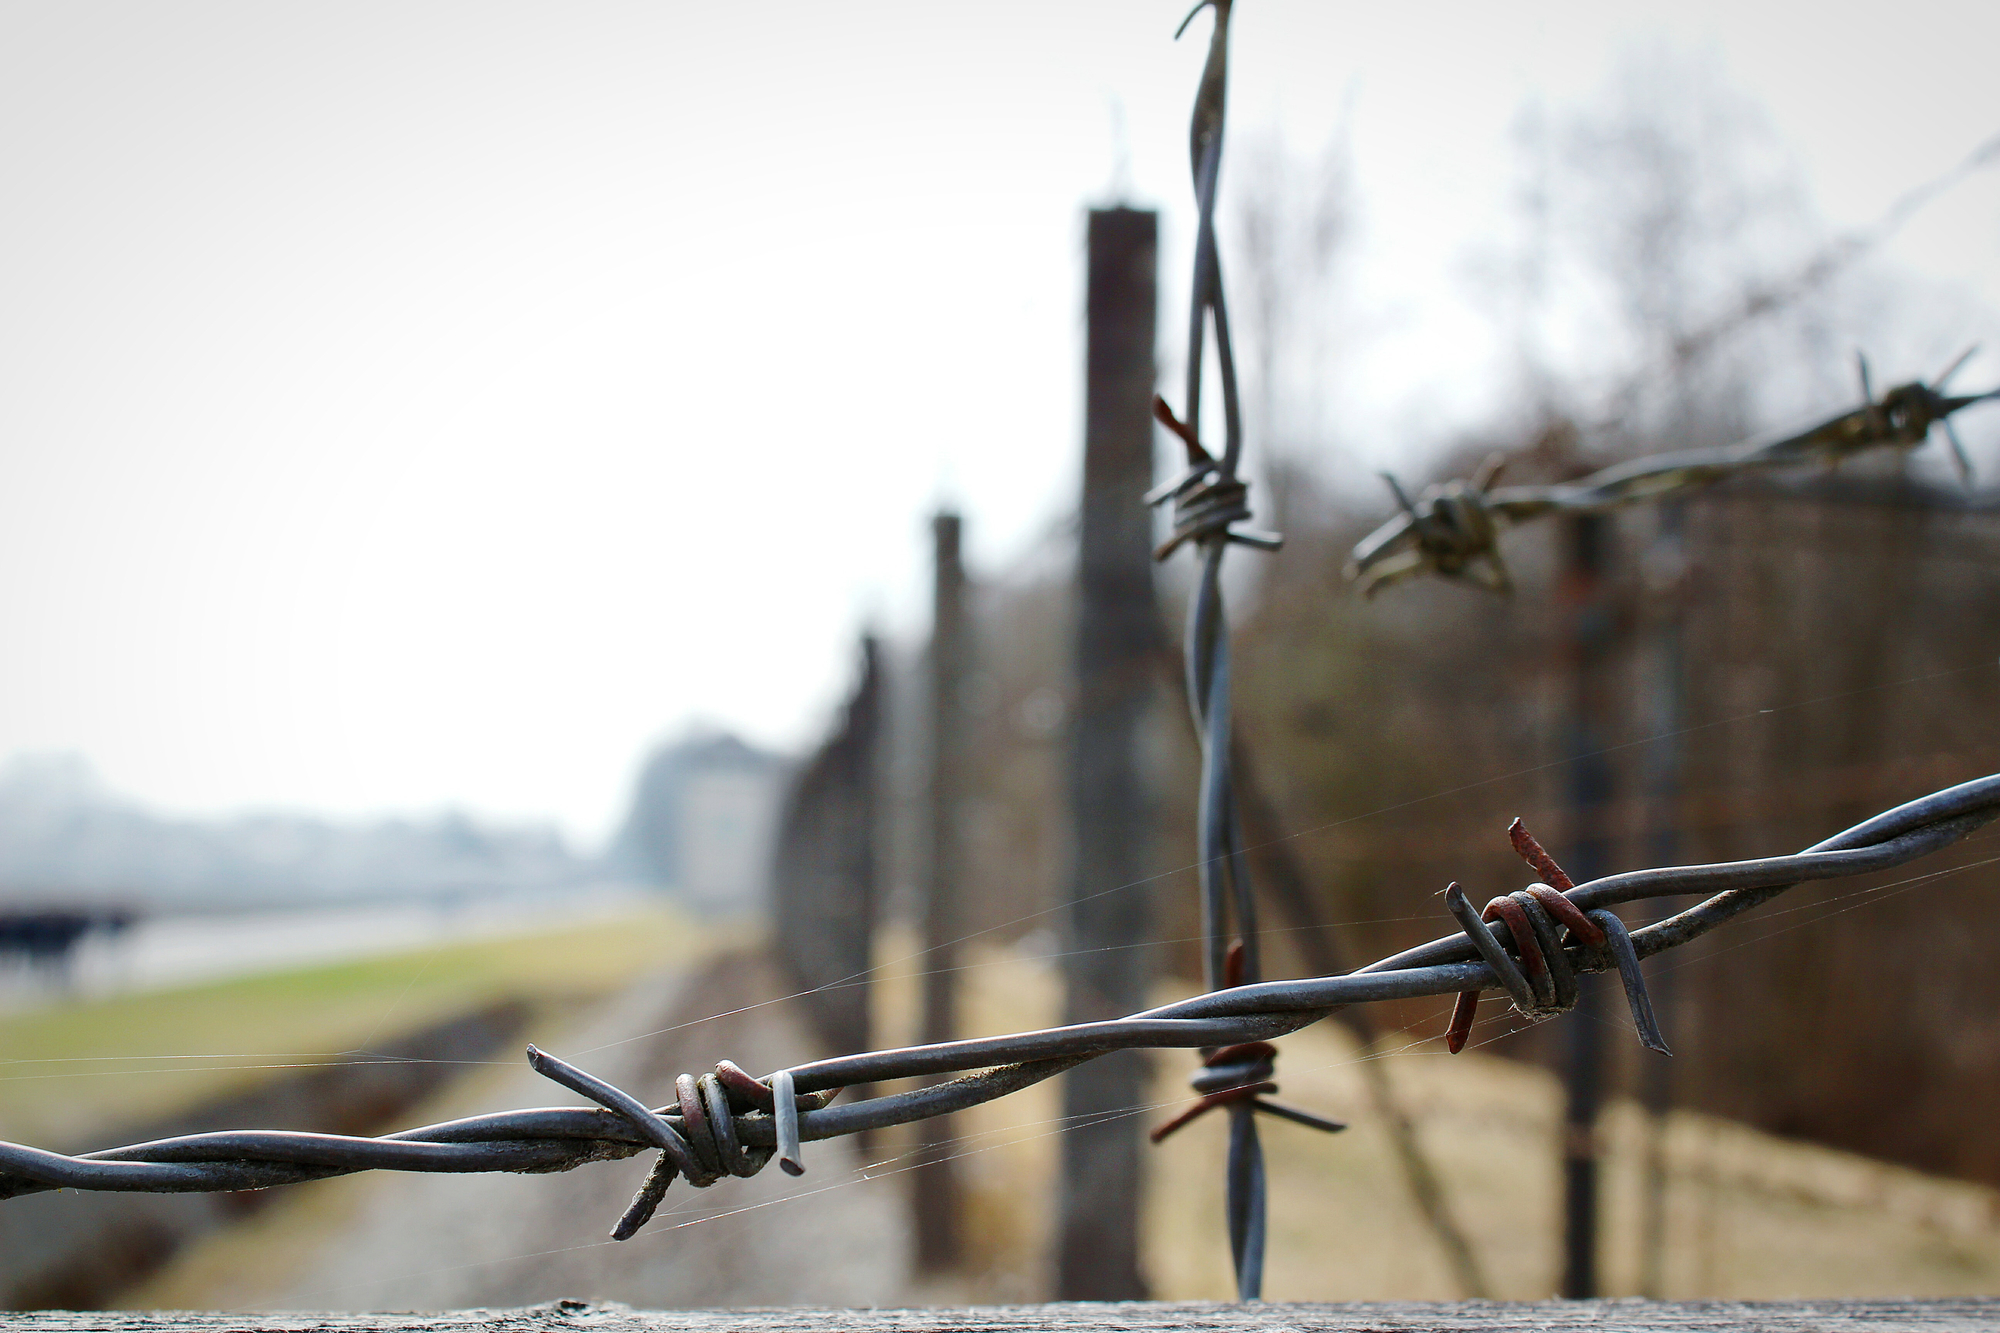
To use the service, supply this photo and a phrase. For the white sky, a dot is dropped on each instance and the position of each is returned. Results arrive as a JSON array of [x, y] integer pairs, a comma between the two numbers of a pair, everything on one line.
[[435, 402]]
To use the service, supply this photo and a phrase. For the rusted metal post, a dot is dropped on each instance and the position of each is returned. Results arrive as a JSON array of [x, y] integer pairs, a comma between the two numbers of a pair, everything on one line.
[[1590, 630], [1117, 645], [934, 1184]]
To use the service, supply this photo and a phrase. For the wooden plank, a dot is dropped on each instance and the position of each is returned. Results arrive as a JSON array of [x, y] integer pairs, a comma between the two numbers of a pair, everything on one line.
[[1134, 1317]]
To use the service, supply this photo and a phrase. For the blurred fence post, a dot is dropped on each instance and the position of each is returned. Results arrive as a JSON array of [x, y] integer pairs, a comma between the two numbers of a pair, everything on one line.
[[1117, 645], [1667, 590], [934, 1182], [1590, 632], [823, 871]]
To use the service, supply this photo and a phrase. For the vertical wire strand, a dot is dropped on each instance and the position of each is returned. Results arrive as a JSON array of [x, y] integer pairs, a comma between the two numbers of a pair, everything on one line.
[[1208, 666], [1224, 875]]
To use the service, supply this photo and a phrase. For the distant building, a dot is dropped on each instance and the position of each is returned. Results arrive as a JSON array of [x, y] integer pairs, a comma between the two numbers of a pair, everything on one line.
[[702, 819]]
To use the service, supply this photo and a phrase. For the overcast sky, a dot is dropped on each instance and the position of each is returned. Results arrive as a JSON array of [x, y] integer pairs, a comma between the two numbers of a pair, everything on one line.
[[434, 403]]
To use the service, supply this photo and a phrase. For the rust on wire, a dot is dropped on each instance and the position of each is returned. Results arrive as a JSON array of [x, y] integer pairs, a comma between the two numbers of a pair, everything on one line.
[[1543, 983], [1241, 1017], [1565, 911], [1240, 1075], [1530, 850]]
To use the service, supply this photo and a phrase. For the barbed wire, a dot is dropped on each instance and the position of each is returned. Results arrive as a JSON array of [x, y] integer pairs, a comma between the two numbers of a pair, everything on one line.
[[1209, 499], [1453, 529], [728, 1123]]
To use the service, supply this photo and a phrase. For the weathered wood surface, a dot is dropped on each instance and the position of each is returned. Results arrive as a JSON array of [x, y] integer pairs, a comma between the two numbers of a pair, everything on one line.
[[1134, 1317]]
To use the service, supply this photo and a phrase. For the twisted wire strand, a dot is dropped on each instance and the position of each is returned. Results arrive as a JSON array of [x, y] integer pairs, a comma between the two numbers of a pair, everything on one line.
[[728, 1123], [1453, 529], [1209, 499]]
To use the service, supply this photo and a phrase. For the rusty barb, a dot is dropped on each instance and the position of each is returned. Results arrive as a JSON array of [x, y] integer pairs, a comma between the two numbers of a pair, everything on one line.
[[1241, 1075], [1544, 981], [728, 1124], [1453, 529], [1206, 502]]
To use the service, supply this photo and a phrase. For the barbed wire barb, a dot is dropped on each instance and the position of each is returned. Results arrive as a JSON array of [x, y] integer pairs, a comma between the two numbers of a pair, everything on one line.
[[728, 1123], [1453, 529]]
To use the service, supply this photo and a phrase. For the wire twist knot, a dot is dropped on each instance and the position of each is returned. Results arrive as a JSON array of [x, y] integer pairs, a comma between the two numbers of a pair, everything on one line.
[[1543, 982], [1449, 529], [1240, 1075], [710, 1140], [1207, 499]]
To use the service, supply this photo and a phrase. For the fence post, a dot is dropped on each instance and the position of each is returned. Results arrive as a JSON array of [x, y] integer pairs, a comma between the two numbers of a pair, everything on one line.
[[1590, 630], [934, 1183], [1117, 645], [1667, 588], [823, 870]]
